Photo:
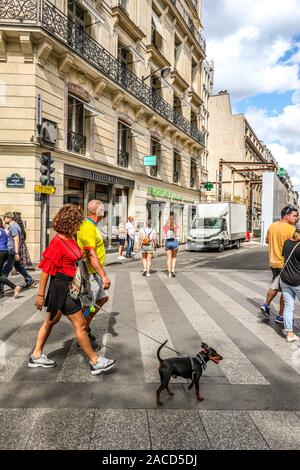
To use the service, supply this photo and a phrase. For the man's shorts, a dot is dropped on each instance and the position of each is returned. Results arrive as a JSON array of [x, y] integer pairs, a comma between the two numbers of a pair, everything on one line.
[[275, 273], [122, 241], [97, 291]]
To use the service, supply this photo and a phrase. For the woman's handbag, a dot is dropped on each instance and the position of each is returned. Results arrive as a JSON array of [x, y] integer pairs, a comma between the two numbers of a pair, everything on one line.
[[276, 282], [81, 282]]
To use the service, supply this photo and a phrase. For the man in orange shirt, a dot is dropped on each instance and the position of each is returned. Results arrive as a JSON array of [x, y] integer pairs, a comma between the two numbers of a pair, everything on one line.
[[277, 234]]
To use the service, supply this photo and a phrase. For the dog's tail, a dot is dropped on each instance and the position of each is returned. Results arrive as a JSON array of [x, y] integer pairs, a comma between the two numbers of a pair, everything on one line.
[[158, 351]]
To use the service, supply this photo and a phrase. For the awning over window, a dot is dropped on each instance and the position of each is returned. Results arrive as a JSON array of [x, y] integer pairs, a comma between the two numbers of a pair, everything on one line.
[[88, 107], [157, 25]]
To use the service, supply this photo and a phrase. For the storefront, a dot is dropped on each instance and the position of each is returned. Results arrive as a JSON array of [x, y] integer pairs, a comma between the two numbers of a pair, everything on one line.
[[81, 185]]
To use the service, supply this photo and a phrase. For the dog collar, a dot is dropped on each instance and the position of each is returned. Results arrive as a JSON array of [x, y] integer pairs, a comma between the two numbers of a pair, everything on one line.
[[201, 360]]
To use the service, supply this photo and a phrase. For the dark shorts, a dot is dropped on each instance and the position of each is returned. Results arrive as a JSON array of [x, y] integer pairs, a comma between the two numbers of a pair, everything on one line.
[[58, 297], [275, 273], [122, 241]]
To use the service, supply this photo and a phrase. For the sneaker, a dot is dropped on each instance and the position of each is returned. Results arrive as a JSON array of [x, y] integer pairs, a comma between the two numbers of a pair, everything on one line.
[[173, 274], [265, 310], [42, 361], [144, 272], [279, 319], [17, 291], [102, 365], [30, 284], [290, 339], [148, 274], [169, 274]]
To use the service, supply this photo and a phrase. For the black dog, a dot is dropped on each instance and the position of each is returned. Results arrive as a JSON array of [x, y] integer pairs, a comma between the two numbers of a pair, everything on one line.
[[187, 367]]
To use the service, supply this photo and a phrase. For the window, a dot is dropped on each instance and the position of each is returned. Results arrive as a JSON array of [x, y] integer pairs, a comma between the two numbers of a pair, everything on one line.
[[123, 5], [76, 27], [155, 150], [176, 167], [194, 120], [76, 126], [177, 50], [156, 90], [177, 105], [125, 60], [194, 71], [123, 144], [157, 34], [193, 180]]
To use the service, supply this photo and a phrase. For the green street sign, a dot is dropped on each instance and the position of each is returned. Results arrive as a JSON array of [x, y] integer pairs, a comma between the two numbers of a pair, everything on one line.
[[150, 160], [281, 172]]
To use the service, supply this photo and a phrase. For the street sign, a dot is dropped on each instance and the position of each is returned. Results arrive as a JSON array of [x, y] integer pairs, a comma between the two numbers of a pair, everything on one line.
[[15, 181], [44, 189], [150, 160], [281, 172]]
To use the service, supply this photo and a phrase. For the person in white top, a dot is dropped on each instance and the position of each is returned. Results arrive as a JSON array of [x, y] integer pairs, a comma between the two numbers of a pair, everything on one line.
[[122, 232], [130, 236], [147, 238]]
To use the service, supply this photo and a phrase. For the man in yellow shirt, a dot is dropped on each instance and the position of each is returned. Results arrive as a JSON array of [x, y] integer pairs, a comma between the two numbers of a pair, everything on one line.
[[90, 240], [277, 234]]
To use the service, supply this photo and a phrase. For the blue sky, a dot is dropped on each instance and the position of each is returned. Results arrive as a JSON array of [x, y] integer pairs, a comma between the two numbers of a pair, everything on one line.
[[255, 45]]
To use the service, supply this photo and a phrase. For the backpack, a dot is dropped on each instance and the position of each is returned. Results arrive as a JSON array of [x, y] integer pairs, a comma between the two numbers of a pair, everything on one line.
[[146, 238]]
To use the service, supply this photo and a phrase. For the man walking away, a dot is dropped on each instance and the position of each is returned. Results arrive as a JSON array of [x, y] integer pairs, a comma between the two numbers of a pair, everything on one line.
[[13, 246], [89, 239], [277, 234], [130, 236]]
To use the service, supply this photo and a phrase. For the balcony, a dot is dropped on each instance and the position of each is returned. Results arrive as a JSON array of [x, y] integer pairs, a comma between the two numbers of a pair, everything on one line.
[[186, 18], [76, 142], [44, 14], [123, 158]]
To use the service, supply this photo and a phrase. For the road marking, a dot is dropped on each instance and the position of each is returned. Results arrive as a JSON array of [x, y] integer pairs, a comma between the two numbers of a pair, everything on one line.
[[236, 366], [260, 329]]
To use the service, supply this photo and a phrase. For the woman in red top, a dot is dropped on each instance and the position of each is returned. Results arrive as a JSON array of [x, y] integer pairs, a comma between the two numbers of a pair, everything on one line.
[[59, 262]]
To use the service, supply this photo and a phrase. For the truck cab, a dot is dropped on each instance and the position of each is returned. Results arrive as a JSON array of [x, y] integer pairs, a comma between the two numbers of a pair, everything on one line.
[[208, 232]]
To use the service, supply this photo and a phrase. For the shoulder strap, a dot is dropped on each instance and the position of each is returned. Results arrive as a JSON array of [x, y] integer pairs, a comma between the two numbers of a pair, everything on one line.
[[76, 254]]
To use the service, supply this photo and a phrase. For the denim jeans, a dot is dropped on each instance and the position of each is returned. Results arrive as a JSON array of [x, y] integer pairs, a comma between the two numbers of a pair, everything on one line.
[[12, 263], [130, 246], [289, 295]]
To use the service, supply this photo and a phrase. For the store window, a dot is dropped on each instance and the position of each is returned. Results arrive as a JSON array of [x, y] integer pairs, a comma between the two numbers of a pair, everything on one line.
[[154, 211], [177, 212], [73, 191]]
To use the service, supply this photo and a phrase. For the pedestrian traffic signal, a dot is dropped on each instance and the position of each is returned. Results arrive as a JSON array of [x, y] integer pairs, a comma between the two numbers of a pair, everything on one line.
[[46, 169]]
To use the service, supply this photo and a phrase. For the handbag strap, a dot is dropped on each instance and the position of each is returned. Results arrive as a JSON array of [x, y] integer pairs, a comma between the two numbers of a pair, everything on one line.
[[289, 257], [70, 249]]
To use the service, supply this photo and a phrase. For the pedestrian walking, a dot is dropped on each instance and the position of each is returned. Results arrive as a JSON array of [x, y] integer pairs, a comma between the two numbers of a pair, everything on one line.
[[290, 283], [122, 233], [13, 246], [3, 259], [277, 234], [130, 236], [147, 238], [171, 240], [24, 253], [59, 263], [89, 239]]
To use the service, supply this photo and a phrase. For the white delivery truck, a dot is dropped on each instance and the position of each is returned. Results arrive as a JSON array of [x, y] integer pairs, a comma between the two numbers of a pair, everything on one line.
[[217, 226]]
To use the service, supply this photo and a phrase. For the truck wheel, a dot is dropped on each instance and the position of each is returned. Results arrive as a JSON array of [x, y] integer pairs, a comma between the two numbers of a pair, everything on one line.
[[221, 247], [237, 245]]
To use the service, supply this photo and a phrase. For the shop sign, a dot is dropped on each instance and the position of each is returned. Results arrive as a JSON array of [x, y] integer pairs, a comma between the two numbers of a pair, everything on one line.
[[150, 160], [15, 181], [102, 178], [44, 189], [160, 192]]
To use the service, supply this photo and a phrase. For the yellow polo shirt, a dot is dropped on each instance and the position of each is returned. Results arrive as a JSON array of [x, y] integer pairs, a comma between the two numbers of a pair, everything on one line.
[[89, 236], [277, 234]]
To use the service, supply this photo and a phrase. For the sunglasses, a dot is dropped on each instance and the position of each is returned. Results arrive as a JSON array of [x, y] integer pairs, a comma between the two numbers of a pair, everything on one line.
[[291, 209]]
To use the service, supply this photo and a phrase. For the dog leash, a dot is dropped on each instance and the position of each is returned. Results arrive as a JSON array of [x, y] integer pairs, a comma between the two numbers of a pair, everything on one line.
[[147, 336]]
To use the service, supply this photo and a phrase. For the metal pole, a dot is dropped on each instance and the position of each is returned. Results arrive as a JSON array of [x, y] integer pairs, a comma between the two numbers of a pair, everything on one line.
[[110, 216], [44, 216], [220, 180], [232, 186]]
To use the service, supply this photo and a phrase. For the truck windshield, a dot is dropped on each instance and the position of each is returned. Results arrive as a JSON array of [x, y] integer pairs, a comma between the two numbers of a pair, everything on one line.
[[207, 223]]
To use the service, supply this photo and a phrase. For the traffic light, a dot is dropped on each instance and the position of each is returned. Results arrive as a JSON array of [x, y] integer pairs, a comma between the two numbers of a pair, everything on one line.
[[46, 169]]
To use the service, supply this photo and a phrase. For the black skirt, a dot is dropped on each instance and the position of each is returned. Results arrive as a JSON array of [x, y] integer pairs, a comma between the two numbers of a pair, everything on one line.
[[58, 296]]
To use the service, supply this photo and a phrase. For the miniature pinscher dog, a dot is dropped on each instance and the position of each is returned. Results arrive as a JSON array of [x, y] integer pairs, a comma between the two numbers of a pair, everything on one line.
[[187, 367]]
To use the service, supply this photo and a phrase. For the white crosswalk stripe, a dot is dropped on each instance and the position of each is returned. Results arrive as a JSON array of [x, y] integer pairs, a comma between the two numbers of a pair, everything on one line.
[[236, 367]]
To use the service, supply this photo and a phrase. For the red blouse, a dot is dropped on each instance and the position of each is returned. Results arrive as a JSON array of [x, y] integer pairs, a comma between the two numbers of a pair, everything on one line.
[[60, 257]]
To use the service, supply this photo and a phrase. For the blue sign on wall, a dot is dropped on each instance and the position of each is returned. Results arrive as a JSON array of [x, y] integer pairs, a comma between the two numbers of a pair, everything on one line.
[[150, 160], [15, 181]]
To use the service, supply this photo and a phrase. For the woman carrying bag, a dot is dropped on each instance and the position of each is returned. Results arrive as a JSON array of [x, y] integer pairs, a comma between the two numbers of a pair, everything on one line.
[[290, 283], [147, 243]]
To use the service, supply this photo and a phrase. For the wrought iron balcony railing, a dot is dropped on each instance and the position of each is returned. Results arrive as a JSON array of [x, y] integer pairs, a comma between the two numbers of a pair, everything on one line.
[[153, 170], [76, 142], [123, 159], [187, 19], [71, 34]]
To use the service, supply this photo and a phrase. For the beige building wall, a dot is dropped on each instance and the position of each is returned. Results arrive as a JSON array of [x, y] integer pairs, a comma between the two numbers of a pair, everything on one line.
[[36, 62]]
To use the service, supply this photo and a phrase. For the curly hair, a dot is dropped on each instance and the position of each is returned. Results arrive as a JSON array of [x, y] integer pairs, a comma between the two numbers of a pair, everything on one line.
[[68, 219]]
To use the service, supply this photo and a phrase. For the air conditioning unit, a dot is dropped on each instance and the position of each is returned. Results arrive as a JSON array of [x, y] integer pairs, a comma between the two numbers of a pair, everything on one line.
[[49, 131]]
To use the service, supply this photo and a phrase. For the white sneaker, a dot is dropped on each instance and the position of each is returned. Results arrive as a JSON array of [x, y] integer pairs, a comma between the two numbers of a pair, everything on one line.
[[42, 361], [169, 274], [101, 365], [120, 257], [148, 275], [290, 339]]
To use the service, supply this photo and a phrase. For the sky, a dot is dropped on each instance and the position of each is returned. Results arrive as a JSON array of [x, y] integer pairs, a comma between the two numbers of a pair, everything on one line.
[[255, 45]]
